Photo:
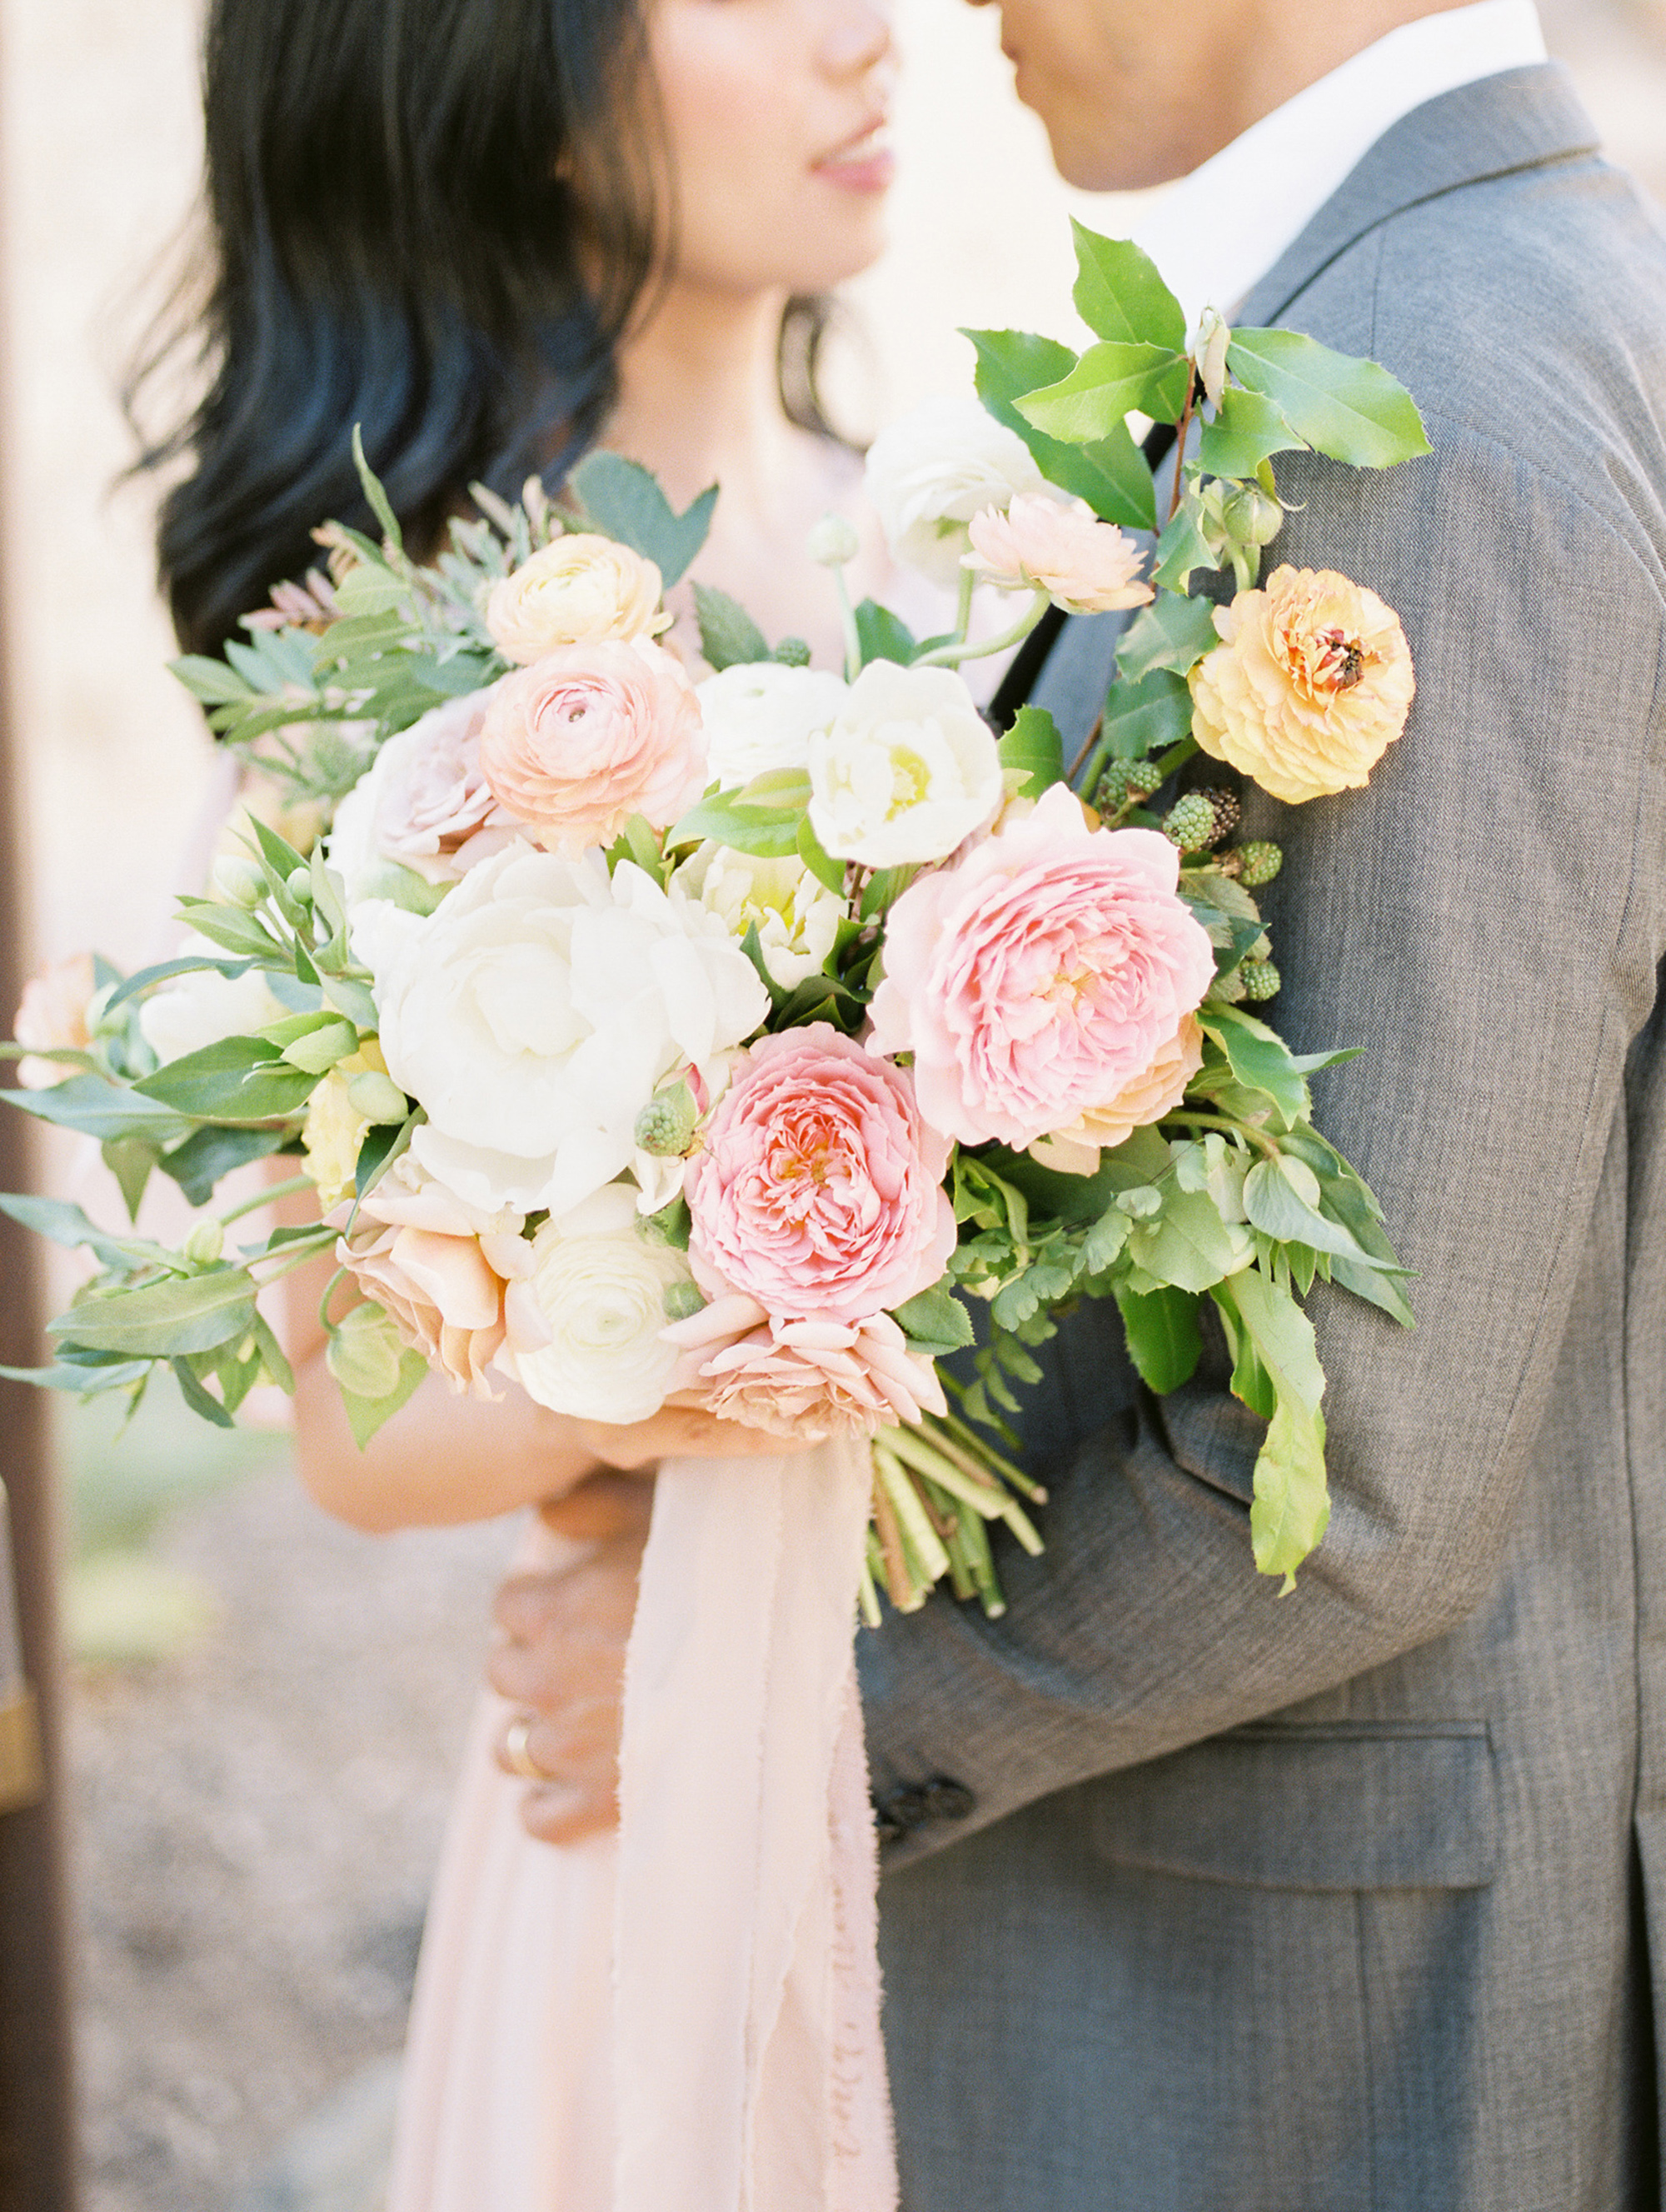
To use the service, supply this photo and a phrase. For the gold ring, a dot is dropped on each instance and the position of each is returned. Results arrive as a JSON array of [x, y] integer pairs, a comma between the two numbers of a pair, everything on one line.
[[516, 1755]]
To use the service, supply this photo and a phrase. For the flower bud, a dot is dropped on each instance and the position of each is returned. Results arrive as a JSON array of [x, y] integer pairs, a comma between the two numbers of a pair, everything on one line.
[[378, 1097], [205, 1243], [683, 1301], [363, 1354], [1209, 345], [239, 880], [1253, 516], [665, 1125], [321, 1049], [299, 885], [833, 542]]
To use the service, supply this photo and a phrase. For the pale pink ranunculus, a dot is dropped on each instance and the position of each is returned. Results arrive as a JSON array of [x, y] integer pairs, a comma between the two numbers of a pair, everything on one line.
[[590, 735], [1147, 1098], [812, 1379], [818, 1191], [1039, 975], [456, 1280], [1039, 543], [53, 1018], [430, 806]]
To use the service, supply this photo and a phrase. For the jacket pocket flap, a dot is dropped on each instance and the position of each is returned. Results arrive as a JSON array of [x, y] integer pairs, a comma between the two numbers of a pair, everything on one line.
[[1329, 1805]]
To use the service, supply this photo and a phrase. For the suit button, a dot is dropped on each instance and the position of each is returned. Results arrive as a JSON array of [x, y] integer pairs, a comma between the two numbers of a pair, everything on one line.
[[904, 1808], [947, 1800]]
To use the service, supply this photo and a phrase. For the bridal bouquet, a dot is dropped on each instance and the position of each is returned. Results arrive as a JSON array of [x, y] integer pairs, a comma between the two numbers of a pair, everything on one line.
[[741, 1038]]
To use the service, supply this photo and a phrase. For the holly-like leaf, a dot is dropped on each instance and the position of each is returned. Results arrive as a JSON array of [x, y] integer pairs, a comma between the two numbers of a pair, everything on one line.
[[1120, 294], [935, 1322], [624, 499], [1034, 749], [728, 636], [1172, 632], [1182, 550], [1249, 428], [1148, 716], [1109, 381], [1351, 410], [1111, 474], [1260, 1059], [1163, 1338]]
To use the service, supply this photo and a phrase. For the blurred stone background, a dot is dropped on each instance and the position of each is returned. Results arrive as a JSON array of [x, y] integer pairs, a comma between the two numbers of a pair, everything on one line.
[[267, 1707]]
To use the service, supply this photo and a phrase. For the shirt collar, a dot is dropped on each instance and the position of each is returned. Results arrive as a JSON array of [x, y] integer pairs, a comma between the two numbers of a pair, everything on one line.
[[1215, 232]]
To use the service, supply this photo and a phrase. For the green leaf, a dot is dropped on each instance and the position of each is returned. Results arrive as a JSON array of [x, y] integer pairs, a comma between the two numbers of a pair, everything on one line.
[[1119, 293], [1104, 1243], [208, 1408], [84, 1381], [1148, 716], [1249, 428], [93, 1107], [130, 1160], [230, 928], [1182, 550], [1259, 1059], [366, 1415], [883, 636], [236, 1079], [1034, 749], [66, 1225], [728, 636], [767, 833], [823, 866], [1111, 474], [1172, 632], [1163, 1337], [199, 1165], [379, 506], [191, 1313], [352, 998], [1291, 1507], [1351, 410], [382, 1144], [1109, 381], [1279, 1209], [935, 1322], [1188, 1245], [625, 500], [210, 682]]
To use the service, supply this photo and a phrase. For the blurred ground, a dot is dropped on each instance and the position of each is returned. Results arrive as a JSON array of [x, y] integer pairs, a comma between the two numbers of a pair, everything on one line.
[[258, 1808]]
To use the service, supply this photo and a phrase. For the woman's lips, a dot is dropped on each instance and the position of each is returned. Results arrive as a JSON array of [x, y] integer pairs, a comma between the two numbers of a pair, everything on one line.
[[865, 163]]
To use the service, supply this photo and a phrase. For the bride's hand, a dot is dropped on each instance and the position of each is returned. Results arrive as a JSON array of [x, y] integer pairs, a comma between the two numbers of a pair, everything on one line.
[[682, 1429]]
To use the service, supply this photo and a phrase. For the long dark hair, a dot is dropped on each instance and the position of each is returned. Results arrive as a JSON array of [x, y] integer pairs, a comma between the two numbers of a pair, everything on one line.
[[426, 218]]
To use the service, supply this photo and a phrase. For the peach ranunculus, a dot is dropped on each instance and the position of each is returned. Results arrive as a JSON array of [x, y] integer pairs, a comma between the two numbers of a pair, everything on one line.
[[1311, 684], [819, 1190], [577, 589], [455, 1280], [424, 804], [1039, 544], [1039, 975], [1076, 1151], [53, 1018], [590, 735], [812, 1379]]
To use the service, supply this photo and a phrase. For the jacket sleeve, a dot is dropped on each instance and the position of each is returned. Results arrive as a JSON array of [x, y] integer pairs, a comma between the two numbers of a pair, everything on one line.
[[1485, 921]]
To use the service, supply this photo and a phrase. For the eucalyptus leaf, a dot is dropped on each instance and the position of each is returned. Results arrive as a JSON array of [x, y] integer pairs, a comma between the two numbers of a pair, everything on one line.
[[1173, 632], [627, 503], [1120, 294], [1110, 381], [1351, 410], [728, 636]]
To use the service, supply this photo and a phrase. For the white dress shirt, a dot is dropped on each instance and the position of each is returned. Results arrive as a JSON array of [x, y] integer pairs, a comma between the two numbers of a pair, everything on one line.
[[1215, 232]]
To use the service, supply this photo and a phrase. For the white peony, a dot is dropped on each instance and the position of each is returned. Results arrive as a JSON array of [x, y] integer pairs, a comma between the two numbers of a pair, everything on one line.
[[537, 1011], [796, 917], [929, 473], [601, 1289], [190, 1011], [760, 716], [907, 771]]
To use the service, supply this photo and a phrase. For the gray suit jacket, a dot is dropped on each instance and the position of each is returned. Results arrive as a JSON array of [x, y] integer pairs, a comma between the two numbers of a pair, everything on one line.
[[1355, 1898]]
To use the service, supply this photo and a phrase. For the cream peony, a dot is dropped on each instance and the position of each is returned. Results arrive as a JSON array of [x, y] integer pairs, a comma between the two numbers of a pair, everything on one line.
[[600, 1290], [1076, 1149], [907, 771], [760, 716], [579, 588], [796, 917], [929, 473], [190, 1011], [1311, 684], [1085, 566], [537, 1011]]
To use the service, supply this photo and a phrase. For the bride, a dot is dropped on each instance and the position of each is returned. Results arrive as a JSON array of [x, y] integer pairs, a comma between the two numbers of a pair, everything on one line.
[[494, 234]]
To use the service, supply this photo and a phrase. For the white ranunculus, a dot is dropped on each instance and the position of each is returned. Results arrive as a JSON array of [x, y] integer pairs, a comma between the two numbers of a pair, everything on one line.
[[907, 771], [190, 1011], [600, 1288], [929, 473], [760, 715], [535, 1013], [796, 917]]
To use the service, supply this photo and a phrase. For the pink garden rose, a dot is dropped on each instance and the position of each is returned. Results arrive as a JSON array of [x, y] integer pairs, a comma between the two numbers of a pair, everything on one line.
[[1076, 1149], [53, 1018], [812, 1379], [590, 735], [1038, 977], [455, 1280], [433, 810], [819, 1190], [1040, 543]]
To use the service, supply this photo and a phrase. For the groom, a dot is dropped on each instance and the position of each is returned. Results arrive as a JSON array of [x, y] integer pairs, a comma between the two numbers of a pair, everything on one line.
[[1196, 1898]]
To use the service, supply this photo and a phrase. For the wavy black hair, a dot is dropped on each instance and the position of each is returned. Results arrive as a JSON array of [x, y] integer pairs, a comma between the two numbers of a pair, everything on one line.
[[428, 217]]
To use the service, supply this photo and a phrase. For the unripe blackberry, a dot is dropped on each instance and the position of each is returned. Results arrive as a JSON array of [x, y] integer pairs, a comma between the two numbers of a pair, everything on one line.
[[791, 653], [1126, 779], [665, 1125], [1258, 862], [1260, 981], [1190, 823]]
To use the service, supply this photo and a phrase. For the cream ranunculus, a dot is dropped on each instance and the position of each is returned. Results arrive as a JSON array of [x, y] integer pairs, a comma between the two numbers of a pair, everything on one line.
[[908, 770], [1310, 685], [578, 589], [796, 917], [1085, 566], [760, 716], [601, 1289], [537, 1011], [190, 1011], [931, 471]]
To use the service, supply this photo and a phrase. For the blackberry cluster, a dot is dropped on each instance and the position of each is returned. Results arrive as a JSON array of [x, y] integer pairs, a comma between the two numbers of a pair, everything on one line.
[[1260, 981]]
